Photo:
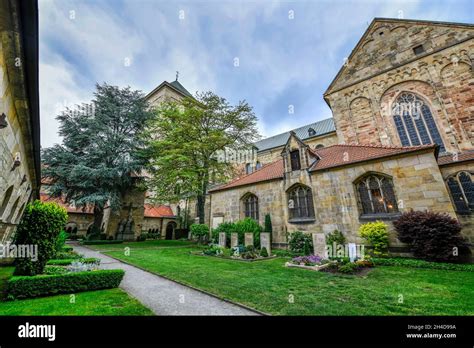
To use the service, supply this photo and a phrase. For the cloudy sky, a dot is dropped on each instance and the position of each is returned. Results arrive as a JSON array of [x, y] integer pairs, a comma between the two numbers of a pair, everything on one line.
[[287, 52]]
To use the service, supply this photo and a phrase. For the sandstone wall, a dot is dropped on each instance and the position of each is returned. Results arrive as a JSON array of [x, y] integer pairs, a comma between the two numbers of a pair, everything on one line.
[[385, 65]]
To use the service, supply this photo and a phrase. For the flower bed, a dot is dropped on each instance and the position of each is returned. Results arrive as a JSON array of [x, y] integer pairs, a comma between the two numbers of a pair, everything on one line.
[[239, 253], [312, 262], [341, 265]]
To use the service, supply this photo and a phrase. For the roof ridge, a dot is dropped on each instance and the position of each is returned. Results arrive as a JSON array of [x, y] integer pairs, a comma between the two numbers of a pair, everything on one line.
[[294, 129], [382, 146]]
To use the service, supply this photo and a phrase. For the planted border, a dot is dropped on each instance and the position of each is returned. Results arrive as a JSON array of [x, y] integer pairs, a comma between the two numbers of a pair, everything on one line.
[[404, 262], [67, 262], [99, 242], [47, 285]]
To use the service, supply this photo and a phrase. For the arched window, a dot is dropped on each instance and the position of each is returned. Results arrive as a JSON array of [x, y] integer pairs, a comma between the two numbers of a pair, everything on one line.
[[319, 146], [250, 202], [248, 168], [5, 201], [258, 165], [414, 122], [376, 195], [461, 188], [311, 132], [300, 203]]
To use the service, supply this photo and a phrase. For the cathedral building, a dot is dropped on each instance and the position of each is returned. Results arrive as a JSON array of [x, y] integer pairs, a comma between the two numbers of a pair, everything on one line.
[[401, 138]]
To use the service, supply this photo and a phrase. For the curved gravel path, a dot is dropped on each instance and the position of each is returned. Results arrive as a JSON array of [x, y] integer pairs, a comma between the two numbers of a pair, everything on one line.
[[163, 296]]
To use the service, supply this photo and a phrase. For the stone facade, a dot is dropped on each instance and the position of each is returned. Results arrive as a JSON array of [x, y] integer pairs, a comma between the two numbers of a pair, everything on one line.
[[384, 64], [19, 116], [387, 62]]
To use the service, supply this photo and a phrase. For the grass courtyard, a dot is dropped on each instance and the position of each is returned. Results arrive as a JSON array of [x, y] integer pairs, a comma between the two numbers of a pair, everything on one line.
[[272, 288], [101, 302]]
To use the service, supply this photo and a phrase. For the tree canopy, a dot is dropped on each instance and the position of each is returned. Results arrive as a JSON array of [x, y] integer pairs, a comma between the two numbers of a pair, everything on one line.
[[184, 142], [102, 149]]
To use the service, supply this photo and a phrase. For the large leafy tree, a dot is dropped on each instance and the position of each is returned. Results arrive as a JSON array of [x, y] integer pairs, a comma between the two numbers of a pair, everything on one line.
[[186, 141], [102, 150]]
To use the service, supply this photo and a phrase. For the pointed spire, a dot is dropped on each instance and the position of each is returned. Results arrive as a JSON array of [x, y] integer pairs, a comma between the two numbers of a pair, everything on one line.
[[177, 75]]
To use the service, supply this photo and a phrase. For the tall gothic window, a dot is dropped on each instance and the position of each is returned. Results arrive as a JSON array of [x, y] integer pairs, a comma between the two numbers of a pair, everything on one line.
[[295, 160], [414, 122], [300, 203], [251, 206], [461, 188], [376, 195]]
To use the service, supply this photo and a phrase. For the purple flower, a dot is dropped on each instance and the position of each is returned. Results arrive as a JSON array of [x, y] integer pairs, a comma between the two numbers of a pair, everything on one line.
[[311, 259]]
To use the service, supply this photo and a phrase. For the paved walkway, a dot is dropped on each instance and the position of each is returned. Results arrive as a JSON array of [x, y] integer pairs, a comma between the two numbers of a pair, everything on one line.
[[163, 296]]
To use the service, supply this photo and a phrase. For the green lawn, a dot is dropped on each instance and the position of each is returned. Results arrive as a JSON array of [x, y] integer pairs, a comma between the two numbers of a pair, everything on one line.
[[152, 244], [101, 302], [270, 287]]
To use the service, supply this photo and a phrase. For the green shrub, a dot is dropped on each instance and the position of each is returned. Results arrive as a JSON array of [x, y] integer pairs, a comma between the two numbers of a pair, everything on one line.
[[347, 268], [200, 231], [67, 262], [55, 270], [46, 285], [300, 243], [214, 250], [40, 225], [432, 236], [141, 238], [248, 225], [61, 242], [376, 233], [268, 226], [264, 252], [335, 237], [406, 262], [66, 249], [226, 227], [100, 242]]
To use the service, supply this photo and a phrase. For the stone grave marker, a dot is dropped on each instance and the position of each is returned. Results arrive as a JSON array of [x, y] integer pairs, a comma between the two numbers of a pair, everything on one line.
[[222, 239], [248, 239], [319, 244], [234, 240], [265, 242], [352, 251]]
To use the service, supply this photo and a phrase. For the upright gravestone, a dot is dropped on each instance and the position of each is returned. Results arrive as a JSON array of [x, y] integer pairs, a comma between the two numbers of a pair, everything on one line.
[[222, 239], [234, 240], [265, 242], [248, 239], [319, 245]]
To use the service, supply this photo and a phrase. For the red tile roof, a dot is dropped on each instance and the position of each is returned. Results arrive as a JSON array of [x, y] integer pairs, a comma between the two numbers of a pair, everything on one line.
[[70, 209], [341, 155], [158, 211], [269, 171], [329, 157], [455, 158]]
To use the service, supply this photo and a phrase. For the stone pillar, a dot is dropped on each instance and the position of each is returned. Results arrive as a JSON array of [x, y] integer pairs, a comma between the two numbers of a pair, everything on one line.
[[265, 242], [248, 239], [319, 245], [222, 239], [234, 240]]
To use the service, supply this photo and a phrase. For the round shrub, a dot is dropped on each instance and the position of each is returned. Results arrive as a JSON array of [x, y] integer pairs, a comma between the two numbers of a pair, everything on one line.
[[376, 233], [335, 237], [40, 225], [248, 225], [432, 236], [300, 243], [200, 231]]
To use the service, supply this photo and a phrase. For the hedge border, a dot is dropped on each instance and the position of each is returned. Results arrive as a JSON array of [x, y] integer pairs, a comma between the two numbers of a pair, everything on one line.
[[414, 263], [98, 242], [67, 262], [19, 287]]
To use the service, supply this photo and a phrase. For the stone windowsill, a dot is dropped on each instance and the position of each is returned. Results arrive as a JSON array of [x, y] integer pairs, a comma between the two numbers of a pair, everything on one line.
[[373, 217], [302, 221]]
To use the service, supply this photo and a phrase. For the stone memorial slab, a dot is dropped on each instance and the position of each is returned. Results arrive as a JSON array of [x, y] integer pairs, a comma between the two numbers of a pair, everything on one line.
[[265, 242], [234, 240], [248, 239], [352, 251], [319, 244], [222, 239]]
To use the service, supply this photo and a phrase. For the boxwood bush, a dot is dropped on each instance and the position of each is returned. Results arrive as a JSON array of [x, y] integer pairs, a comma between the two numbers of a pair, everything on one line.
[[240, 227], [46, 285], [376, 233], [300, 243], [40, 225]]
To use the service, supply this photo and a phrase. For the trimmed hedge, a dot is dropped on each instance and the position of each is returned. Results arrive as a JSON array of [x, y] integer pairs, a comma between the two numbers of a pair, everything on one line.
[[67, 262], [405, 262], [98, 242], [48, 285], [66, 248]]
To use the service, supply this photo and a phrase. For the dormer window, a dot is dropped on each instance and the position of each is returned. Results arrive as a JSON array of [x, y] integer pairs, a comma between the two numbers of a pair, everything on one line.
[[311, 132], [295, 160], [248, 168], [418, 49]]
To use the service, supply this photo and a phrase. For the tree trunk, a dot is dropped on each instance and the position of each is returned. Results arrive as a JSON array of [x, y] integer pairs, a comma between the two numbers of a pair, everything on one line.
[[201, 201], [98, 216]]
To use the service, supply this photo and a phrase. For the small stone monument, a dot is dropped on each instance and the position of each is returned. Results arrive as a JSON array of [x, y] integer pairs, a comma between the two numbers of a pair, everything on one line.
[[234, 240], [319, 245], [222, 239], [265, 242], [248, 239]]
